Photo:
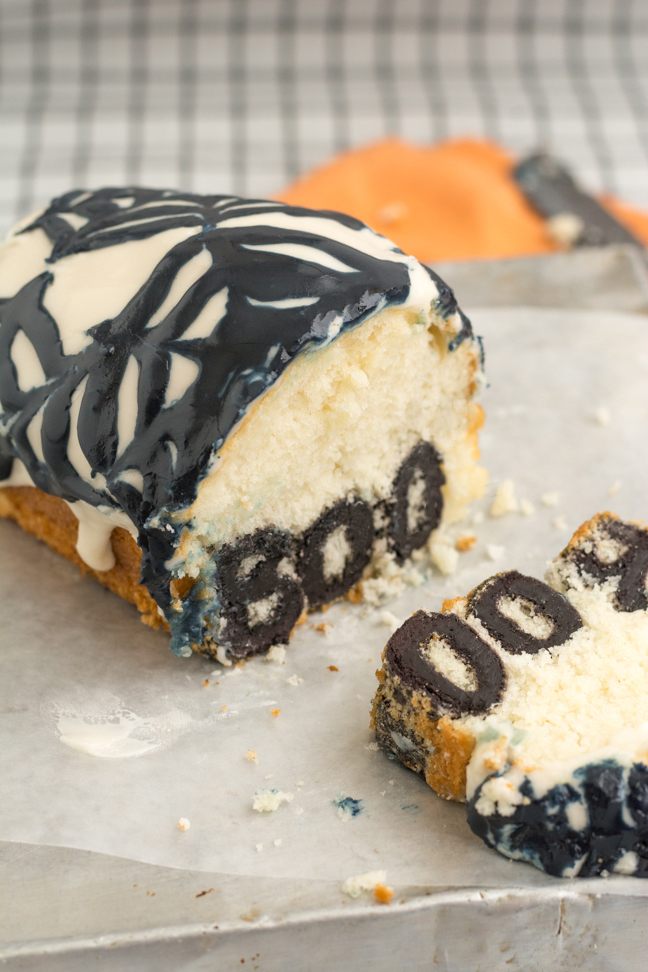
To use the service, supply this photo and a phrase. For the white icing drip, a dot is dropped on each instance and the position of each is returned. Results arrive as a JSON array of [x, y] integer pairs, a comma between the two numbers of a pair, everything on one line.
[[173, 451], [125, 202], [22, 258], [75, 452], [282, 304], [34, 433], [246, 205], [96, 525], [185, 278], [29, 370], [184, 372], [127, 405], [300, 251], [93, 286], [165, 202], [212, 314]]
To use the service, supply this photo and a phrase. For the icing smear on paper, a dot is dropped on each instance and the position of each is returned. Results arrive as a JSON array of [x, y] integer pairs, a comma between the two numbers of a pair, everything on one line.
[[116, 732]]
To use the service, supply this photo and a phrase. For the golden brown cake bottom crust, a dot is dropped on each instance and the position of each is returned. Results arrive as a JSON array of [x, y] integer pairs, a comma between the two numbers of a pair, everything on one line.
[[52, 521]]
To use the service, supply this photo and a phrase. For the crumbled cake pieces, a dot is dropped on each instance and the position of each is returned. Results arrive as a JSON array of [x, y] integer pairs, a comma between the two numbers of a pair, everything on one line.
[[528, 700]]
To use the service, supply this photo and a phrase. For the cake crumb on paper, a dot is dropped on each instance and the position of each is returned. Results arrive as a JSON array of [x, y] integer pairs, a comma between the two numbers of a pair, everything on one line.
[[526, 507], [277, 654], [559, 522], [615, 487], [444, 556], [505, 500], [550, 499], [269, 776], [275, 712], [333, 668], [252, 755], [183, 824], [277, 842], [465, 542], [602, 416], [372, 747], [294, 680], [354, 886], [389, 620], [477, 517], [266, 801], [299, 783], [494, 551], [221, 656], [324, 627], [383, 894], [258, 848]]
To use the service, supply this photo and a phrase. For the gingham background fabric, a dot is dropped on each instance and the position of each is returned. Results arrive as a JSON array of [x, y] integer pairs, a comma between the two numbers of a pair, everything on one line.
[[243, 95]]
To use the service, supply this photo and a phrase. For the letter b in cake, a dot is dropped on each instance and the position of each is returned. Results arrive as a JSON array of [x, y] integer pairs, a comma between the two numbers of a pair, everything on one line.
[[229, 410]]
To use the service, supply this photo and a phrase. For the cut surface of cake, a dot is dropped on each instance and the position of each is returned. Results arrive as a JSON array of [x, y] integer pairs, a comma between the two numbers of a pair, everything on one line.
[[529, 701], [229, 411]]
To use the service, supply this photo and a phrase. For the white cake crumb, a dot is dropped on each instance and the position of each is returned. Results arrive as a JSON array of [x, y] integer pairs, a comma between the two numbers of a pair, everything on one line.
[[277, 654], [494, 551], [277, 842], [444, 556], [269, 776], [299, 783], [559, 522], [478, 517], [354, 886], [615, 487], [412, 576], [372, 747], [265, 801], [252, 755], [389, 620], [183, 824], [526, 507], [550, 499], [221, 656], [505, 500], [294, 680], [602, 416], [258, 848]]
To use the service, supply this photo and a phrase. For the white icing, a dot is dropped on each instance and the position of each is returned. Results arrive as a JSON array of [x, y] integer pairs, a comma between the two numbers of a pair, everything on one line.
[[75, 220], [185, 278], [96, 285], [29, 370], [212, 314], [22, 258], [282, 304], [75, 453], [96, 525], [127, 405], [182, 375], [300, 251], [134, 478]]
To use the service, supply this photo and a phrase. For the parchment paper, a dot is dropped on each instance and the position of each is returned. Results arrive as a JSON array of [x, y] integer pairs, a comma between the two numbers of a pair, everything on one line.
[[74, 654]]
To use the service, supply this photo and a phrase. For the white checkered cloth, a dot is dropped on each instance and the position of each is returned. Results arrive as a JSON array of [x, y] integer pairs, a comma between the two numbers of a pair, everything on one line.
[[243, 95]]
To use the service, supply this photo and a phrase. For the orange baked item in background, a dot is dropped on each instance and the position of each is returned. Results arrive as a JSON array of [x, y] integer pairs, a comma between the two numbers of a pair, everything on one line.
[[453, 201]]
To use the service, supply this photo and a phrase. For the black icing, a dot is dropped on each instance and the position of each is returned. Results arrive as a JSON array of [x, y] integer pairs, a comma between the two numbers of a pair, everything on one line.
[[631, 567], [615, 801], [356, 517], [246, 352], [484, 605], [268, 573], [407, 662], [424, 462]]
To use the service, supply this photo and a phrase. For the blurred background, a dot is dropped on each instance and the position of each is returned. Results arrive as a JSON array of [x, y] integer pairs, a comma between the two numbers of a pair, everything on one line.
[[245, 96]]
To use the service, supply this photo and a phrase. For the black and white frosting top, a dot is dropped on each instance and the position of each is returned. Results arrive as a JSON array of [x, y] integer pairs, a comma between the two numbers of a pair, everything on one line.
[[138, 325]]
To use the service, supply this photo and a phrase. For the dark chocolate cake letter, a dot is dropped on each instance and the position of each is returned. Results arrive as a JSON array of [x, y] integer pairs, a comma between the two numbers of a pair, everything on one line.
[[406, 660], [485, 605], [321, 580], [631, 566], [418, 501], [260, 597]]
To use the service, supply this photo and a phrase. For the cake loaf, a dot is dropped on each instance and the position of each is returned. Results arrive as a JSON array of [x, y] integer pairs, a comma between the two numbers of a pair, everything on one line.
[[229, 411], [529, 700]]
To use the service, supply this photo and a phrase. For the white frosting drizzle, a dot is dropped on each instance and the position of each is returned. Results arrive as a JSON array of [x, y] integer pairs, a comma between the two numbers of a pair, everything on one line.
[[300, 251], [184, 372], [127, 405], [185, 278], [212, 314]]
